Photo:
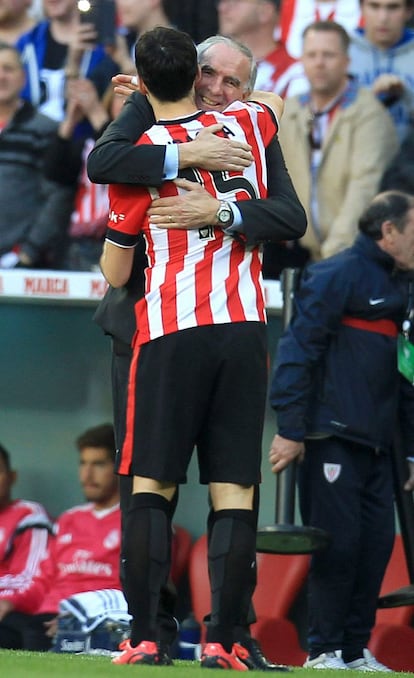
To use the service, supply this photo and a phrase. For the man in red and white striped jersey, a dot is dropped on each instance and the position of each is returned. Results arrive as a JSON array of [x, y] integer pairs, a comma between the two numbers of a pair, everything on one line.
[[255, 24], [199, 361], [297, 14]]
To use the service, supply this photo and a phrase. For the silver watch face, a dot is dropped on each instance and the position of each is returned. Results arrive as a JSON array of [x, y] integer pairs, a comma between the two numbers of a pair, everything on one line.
[[224, 215]]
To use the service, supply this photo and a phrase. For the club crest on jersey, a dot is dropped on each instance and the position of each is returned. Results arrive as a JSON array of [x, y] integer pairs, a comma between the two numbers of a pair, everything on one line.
[[111, 540], [206, 233], [332, 472]]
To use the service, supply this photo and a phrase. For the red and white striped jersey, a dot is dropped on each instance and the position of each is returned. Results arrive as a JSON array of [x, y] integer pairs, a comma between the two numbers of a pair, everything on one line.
[[271, 68], [24, 530], [295, 15], [91, 203], [83, 555], [197, 277]]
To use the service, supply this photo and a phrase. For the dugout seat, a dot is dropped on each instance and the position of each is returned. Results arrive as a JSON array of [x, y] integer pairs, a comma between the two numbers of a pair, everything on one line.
[[279, 580], [392, 639]]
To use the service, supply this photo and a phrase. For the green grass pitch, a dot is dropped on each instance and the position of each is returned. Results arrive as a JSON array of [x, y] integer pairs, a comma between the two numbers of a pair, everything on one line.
[[18, 664]]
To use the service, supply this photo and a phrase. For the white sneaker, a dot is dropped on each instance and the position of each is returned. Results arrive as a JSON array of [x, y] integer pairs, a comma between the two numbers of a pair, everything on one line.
[[368, 663], [326, 660]]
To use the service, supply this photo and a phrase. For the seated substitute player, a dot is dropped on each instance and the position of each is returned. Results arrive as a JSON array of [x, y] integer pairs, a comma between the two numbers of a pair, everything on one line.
[[84, 553], [24, 531], [203, 299]]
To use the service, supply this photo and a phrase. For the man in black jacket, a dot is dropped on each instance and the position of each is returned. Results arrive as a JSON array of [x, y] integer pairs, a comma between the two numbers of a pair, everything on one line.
[[32, 207], [228, 73], [340, 399]]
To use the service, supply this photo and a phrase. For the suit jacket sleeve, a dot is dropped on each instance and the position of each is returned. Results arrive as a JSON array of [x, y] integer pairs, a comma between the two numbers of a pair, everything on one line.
[[114, 160], [280, 216]]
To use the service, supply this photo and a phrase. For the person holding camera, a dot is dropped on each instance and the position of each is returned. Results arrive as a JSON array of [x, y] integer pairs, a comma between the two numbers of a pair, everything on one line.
[[57, 49]]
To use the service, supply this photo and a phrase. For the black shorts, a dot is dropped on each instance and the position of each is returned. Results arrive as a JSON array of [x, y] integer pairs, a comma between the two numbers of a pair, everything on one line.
[[202, 387]]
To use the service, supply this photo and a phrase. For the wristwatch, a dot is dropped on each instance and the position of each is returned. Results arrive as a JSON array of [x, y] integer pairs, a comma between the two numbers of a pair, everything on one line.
[[224, 215]]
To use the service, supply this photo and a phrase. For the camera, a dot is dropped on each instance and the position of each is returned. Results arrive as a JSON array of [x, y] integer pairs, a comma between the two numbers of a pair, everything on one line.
[[102, 14]]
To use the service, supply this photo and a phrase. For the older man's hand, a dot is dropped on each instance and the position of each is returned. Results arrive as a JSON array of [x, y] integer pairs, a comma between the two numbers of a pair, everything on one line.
[[283, 452]]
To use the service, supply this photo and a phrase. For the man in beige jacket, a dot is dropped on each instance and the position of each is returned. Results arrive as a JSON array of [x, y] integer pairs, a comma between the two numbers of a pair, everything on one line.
[[337, 140]]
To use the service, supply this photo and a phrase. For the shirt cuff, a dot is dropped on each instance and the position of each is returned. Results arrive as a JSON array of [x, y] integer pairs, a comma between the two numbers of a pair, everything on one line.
[[171, 162], [237, 225]]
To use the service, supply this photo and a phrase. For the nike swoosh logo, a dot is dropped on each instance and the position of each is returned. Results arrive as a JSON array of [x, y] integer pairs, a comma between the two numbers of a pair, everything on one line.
[[374, 302]]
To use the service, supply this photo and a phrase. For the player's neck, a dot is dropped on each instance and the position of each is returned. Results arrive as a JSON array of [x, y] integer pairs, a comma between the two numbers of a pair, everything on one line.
[[170, 110]]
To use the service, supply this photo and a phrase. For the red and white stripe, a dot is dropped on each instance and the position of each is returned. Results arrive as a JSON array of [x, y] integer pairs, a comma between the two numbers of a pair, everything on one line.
[[295, 15], [198, 277]]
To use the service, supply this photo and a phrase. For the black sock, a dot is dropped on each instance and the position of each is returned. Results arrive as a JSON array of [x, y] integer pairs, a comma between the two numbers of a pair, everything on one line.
[[147, 551], [231, 558]]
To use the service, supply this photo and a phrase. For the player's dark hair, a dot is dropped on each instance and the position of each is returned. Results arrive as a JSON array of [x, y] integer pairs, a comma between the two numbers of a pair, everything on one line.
[[5, 455], [98, 436], [166, 61], [388, 206], [329, 27]]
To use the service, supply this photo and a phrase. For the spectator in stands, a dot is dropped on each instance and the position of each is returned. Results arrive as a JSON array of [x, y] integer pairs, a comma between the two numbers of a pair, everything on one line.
[[199, 19], [400, 173], [15, 19], [382, 56], [24, 531], [337, 140], [66, 164], [32, 208], [254, 23], [84, 553], [61, 47], [136, 18], [295, 15], [339, 399]]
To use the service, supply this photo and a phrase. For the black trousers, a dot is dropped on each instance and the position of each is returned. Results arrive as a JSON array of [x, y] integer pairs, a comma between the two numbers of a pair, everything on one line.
[[346, 489]]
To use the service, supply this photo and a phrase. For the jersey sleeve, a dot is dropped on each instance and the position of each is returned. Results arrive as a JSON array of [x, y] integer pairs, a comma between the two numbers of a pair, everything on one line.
[[24, 587], [256, 119], [266, 120], [128, 206]]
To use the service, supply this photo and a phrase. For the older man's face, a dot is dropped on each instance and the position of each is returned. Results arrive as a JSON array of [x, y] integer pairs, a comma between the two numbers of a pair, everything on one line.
[[225, 74], [400, 245]]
